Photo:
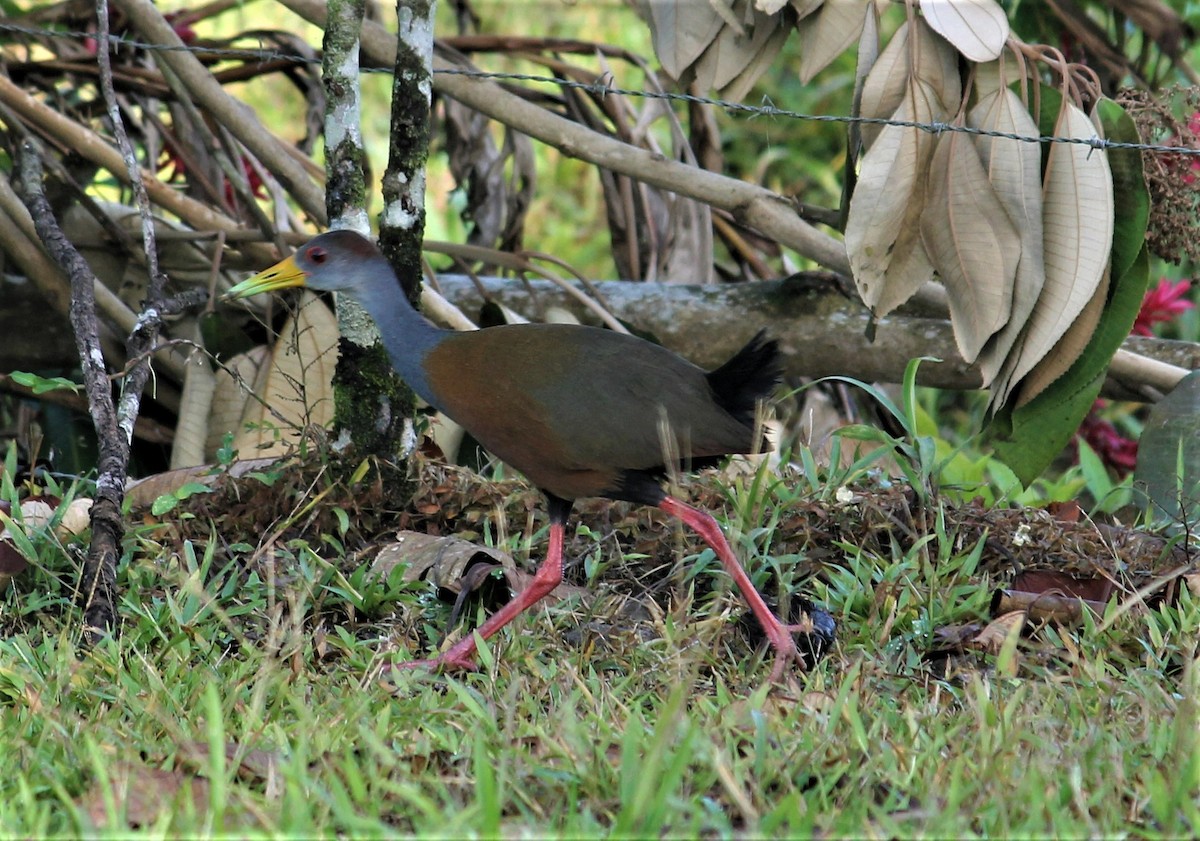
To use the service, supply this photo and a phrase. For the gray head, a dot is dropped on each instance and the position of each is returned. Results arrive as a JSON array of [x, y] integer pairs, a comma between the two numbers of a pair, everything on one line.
[[336, 261]]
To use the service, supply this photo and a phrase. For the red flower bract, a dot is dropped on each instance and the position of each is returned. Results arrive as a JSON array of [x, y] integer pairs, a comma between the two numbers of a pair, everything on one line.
[[1114, 449], [1162, 303]]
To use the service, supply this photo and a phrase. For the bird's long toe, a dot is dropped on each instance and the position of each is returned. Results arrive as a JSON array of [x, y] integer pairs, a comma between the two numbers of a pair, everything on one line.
[[785, 653], [783, 656]]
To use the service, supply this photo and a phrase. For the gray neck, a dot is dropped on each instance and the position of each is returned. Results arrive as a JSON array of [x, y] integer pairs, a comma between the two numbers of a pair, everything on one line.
[[407, 335]]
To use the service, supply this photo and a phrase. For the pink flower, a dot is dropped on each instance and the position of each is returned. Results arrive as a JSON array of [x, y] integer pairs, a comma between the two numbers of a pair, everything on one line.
[[1189, 177], [1162, 303], [1114, 449]]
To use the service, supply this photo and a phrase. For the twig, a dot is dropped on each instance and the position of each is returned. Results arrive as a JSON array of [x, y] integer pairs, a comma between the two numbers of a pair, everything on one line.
[[95, 149], [750, 204], [235, 116], [99, 571]]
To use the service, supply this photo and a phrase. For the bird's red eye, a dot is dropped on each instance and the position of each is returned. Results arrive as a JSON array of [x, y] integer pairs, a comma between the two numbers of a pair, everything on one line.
[[317, 255]]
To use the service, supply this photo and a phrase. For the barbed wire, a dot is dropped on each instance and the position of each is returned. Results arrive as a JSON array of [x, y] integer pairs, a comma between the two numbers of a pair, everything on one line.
[[602, 87]]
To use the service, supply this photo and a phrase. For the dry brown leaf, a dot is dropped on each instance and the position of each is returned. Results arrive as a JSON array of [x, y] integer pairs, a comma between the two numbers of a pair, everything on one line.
[[440, 560], [763, 57], [991, 76], [976, 28], [1015, 171], [142, 492], [970, 241], [803, 8], [992, 637], [254, 765], [883, 238], [1077, 220], [1053, 582], [297, 384], [733, 51], [453, 564], [234, 381], [885, 85], [928, 58], [1069, 348], [883, 231], [1047, 607], [681, 30], [144, 795], [935, 63], [827, 34]]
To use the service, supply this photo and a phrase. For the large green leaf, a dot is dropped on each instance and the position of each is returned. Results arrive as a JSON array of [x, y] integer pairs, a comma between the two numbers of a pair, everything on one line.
[[1027, 439]]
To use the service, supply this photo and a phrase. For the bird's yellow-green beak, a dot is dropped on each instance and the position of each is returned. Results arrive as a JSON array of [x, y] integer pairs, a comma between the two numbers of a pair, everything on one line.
[[282, 275]]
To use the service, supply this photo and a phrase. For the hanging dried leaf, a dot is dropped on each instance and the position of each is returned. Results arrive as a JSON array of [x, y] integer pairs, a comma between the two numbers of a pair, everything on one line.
[[1069, 348], [928, 57], [497, 182], [827, 34], [883, 232], [935, 63], [680, 30], [738, 87], [1077, 218], [886, 83], [883, 236], [735, 49], [976, 28], [803, 8], [991, 76], [734, 18], [868, 54], [1014, 169], [971, 242]]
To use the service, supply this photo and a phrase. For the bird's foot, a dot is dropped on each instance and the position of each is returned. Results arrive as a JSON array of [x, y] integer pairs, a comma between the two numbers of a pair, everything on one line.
[[818, 630], [785, 653]]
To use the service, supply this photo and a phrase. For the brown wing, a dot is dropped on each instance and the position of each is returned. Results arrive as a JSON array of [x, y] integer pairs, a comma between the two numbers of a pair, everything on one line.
[[576, 406]]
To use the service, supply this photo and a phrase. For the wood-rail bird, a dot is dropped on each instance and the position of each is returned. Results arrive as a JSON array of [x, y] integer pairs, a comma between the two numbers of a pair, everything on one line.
[[581, 411]]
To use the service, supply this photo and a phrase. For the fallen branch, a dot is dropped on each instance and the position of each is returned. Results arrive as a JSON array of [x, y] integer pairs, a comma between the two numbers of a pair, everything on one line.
[[822, 331]]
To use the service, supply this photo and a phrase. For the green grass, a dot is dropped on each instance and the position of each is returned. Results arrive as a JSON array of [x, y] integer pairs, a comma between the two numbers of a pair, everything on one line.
[[256, 689]]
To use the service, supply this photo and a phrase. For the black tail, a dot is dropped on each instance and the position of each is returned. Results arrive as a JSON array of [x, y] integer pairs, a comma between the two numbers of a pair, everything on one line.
[[747, 377]]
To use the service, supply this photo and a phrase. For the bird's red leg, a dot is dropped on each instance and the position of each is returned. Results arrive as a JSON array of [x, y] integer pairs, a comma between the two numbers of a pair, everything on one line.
[[462, 654], [777, 633]]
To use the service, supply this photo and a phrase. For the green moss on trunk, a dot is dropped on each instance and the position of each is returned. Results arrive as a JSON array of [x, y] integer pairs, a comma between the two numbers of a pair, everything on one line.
[[371, 404]]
